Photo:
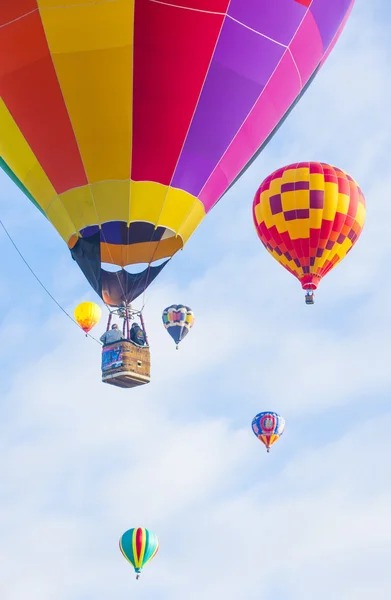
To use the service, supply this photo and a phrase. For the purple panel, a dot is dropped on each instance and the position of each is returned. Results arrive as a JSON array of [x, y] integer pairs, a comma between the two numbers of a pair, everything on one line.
[[275, 204], [278, 19], [88, 231], [328, 16], [298, 213], [297, 185], [316, 199], [243, 63]]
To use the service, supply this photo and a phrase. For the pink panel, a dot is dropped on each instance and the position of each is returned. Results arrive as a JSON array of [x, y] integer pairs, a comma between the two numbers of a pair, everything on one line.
[[307, 47], [276, 98]]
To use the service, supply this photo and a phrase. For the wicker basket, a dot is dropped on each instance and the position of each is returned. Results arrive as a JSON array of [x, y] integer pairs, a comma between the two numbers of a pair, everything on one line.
[[126, 365]]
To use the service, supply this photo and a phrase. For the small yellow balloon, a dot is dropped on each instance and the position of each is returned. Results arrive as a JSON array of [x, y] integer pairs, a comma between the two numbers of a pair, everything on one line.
[[87, 315]]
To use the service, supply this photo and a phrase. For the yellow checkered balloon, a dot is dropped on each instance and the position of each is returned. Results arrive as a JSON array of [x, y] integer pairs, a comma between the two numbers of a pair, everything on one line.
[[309, 216]]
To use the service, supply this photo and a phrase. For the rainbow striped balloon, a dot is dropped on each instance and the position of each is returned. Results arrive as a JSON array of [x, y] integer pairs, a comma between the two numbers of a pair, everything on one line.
[[178, 320], [139, 546]]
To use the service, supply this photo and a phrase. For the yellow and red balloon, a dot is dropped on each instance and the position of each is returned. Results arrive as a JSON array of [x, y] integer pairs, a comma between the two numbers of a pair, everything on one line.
[[87, 315], [308, 216]]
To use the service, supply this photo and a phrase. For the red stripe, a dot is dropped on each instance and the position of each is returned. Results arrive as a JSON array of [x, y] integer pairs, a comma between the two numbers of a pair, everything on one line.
[[12, 9], [316, 168], [139, 542], [208, 5], [172, 51], [343, 186], [30, 90], [354, 198]]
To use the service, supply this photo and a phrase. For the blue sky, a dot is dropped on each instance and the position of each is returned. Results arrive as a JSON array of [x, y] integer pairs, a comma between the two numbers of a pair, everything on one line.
[[82, 462]]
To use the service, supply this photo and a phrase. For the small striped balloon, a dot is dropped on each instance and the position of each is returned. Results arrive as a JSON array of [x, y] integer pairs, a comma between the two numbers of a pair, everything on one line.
[[139, 546]]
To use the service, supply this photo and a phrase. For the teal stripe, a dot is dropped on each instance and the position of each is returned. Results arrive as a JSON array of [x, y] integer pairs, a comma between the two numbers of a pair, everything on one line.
[[20, 185], [150, 546]]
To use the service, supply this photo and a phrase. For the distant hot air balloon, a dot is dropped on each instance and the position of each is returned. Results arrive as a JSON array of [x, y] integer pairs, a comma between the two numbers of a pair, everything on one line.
[[125, 126], [178, 320], [87, 315], [309, 216], [268, 427], [139, 546]]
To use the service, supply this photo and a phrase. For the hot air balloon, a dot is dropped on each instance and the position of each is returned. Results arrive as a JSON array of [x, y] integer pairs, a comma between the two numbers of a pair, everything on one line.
[[309, 216], [87, 315], [178, 320], [125, 126], [268, 427], [139, 546]]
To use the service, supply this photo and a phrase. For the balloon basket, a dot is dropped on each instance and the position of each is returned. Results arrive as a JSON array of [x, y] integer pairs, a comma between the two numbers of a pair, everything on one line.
[[125, 364]]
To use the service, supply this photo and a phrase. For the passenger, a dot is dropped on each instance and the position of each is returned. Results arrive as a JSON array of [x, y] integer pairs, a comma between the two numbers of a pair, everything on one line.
[[137, 335], [112, 336]]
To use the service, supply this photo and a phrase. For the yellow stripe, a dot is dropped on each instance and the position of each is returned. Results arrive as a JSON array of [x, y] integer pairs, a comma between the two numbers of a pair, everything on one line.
[[111, 199], [125, 555], [92, 50], [143, 546], [361, 212], [79, 203], [18, 155], [138, 562], [134, 548]]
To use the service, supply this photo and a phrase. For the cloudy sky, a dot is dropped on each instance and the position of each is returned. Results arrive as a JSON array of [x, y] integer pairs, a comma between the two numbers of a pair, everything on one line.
[[82, 462]]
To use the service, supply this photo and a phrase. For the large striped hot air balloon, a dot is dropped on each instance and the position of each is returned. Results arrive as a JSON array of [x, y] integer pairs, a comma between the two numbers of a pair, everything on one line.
[[309, 216], [139, 546], [124, 122]]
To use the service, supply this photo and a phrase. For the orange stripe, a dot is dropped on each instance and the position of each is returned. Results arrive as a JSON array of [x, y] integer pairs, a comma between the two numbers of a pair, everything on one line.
[[30, 90], [144, 252]]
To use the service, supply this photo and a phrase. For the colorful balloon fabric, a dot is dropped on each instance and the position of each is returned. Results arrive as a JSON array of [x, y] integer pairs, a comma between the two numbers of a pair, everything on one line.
[[124, 125], [178, 320], [268, 427], [87, 315], [309, 216], [139, 546]]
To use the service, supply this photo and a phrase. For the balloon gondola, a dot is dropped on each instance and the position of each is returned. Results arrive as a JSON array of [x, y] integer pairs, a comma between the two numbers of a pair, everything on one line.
[[126, 360]]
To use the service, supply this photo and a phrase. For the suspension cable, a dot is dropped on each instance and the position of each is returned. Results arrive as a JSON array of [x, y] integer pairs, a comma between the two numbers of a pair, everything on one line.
[[41, 284]]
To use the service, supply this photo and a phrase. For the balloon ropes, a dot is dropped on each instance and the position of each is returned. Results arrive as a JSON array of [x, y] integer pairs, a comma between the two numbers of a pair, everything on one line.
[[308, 216], [138, 126]]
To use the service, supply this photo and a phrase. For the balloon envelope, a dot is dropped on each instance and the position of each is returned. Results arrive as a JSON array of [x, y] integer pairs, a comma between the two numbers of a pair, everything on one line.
[[87, 315], [139, 546], [178, 320], [124, 125], [309, 216], [268, 427]]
